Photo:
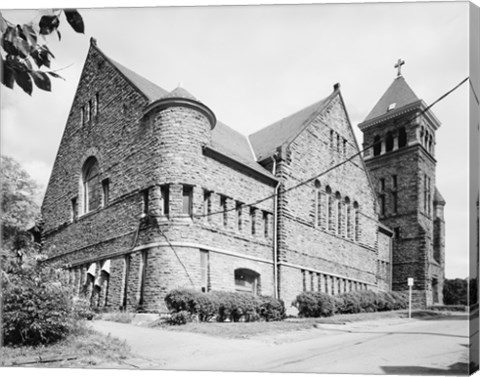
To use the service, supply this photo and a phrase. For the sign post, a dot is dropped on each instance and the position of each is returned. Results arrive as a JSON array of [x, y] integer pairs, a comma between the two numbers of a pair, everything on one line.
[[410, 285]]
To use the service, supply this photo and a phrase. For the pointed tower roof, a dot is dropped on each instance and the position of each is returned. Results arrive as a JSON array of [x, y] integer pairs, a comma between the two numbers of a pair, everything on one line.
[[180, 92], [398, 95]]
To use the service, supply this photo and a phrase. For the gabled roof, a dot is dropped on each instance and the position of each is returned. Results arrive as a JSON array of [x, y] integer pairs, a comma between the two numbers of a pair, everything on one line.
[[266, 141], [150, 90], [398, 93]]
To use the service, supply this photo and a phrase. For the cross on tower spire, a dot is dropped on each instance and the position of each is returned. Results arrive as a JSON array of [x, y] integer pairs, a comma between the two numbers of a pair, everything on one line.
[[398, 65]]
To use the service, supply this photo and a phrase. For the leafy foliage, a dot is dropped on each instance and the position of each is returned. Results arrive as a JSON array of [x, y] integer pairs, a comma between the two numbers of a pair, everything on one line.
[[455, 291], [23, 53], [224, 306], [37, 307], [317, 304], [19, 211]]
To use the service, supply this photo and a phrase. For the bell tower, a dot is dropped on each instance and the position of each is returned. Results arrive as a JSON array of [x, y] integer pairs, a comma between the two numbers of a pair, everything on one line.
[[399, 133]]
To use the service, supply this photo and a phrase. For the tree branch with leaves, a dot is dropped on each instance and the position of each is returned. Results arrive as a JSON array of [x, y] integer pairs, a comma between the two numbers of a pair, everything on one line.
[[25, 55]]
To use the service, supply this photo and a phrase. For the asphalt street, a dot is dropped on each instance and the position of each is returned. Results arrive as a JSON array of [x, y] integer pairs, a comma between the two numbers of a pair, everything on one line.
[[389, 346]]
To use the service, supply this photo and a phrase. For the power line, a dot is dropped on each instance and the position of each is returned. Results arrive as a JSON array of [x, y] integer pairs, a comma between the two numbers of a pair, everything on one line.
[[302, 183], [175, 252], [473, 91]]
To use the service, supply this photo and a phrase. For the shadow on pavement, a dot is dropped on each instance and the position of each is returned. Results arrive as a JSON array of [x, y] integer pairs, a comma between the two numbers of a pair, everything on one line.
[[454, 369]]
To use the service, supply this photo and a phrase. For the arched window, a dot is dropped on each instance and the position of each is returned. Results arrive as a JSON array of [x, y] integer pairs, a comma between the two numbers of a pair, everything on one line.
[[338, 199], [348, 220], [92, 197], [318, 203], [356, 225], [377, 145], [402, 137], [247, 281], [389, 142], [329, 208]]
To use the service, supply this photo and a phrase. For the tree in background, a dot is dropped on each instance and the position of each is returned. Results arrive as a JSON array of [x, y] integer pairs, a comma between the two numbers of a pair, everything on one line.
[[19, 211], [24, 50], [455, 291]]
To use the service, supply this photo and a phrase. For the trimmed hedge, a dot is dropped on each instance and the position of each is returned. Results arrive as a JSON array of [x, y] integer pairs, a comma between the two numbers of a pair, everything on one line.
[[223, 306], [317, 304]]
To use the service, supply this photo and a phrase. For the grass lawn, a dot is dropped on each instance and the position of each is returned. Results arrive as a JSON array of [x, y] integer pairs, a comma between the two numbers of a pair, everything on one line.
[[86, 349], [244, 330]]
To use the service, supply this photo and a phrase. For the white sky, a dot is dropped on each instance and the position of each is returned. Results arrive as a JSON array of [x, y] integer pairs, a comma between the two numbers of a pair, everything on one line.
[[253, 65]]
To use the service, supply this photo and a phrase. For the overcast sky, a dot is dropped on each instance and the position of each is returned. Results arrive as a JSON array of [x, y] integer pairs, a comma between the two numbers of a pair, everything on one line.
[[253, 65]]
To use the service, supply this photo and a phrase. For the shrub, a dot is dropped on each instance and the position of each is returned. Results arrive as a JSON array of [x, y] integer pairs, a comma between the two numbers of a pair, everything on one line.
[[180, 318], [350, 303], [36, 308], [81, 308], [271, 309], [225, 306], [315, 304]]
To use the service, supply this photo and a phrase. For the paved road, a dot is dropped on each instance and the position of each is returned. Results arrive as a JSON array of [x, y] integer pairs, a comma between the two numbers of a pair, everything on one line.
[[394, 346]]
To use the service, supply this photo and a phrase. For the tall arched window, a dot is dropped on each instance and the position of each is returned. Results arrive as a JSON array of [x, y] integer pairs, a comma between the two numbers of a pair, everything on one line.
[[338, 199], [348, 220], [402, 137], [389, 142], [355, 223], [92, 197], [318, 203], [329, 209], [377, 145]]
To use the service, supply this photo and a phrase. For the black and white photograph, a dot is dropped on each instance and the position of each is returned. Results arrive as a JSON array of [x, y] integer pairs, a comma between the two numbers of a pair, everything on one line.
[[240, 188]]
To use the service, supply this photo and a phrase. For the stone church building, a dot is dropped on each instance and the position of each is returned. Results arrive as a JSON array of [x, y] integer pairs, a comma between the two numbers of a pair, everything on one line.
[[150, 192]]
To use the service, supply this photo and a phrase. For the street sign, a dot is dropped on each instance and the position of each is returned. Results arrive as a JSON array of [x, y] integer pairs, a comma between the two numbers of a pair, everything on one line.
[[410, 285]]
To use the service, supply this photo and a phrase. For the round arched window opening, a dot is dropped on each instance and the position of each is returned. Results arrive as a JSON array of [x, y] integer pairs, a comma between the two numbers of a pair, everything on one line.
[[247, 281], [91, 185], [389, 142], [377, 145], [317, 184], [402, 137]]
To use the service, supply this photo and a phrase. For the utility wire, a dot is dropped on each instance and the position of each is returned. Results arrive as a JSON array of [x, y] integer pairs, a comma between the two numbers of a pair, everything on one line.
[[175, 252], [473, 91], [302, 183]]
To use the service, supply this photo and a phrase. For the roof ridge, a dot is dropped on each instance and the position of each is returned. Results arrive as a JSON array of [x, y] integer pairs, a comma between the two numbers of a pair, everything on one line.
[[144, 86]]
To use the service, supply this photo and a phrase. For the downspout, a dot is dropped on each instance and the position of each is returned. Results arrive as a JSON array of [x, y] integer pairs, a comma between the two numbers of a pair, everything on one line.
[[275, 227]]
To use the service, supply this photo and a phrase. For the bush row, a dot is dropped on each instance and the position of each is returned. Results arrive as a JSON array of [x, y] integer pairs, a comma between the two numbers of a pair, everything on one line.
[[186, 304], [317, 304]]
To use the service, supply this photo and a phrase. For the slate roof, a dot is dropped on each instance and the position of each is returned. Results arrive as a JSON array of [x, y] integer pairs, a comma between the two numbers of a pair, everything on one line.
[[399, 93], [151, 91], [266, 141]]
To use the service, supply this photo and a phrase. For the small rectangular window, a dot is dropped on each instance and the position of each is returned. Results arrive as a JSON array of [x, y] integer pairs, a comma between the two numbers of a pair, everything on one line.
[[397, 233], [145, 201], [187, 200], [394, 181], [165, 192], [96, 102], [265, 224], [74, 209], [223, 206], [82, 109], [395, 201], [252, 220], [87, 112], [207, 202], [106, 191], [238, 209], [382, 184], [344, 147], [304, 280], [90, 106], [204, 269], [382, 204]]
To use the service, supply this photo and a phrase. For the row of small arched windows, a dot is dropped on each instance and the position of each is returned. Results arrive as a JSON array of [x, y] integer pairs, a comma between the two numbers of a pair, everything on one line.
[[336, 214], [426, 138]]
